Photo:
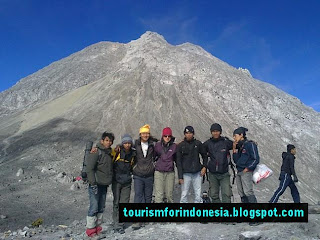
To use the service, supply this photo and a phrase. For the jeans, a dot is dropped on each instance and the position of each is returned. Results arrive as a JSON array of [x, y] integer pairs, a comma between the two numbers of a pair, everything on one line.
[[143, 188], [97, 201], [286, 181], [195, 179]]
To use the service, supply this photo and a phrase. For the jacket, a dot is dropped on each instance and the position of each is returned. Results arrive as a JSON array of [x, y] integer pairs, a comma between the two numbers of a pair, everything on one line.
[[99, 166], [144, 166], [247, 156], [219, 154], [288, 163], [165, 156], [188, 160], [122, 166]]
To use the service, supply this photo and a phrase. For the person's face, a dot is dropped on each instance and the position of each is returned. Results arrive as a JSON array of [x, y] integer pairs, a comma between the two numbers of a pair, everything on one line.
[[215, 134], [127, 146], [294, 151], [188, 136], [106, 142], [237, 137], [144, 136], [166, 138]]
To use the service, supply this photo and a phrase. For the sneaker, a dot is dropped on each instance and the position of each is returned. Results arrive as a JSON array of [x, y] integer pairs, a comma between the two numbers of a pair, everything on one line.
[[91, 232], [98, 230]]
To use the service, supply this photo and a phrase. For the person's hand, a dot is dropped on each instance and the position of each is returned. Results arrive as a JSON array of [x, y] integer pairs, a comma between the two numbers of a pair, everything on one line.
[[94, 150], [246, 170], [94, 189], [203, 171], [295, 179], [181, 181], [234, 147], [117, 149]]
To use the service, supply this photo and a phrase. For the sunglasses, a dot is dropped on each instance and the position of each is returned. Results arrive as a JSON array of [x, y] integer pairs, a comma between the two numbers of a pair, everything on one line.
[[167, 136]]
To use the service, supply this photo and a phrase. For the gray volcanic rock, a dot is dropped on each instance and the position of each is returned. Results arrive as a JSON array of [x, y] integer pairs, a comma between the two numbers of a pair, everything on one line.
[[47, 117]]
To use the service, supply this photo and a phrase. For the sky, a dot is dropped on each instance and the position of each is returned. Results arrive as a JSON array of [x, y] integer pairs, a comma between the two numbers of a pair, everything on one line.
[[278, 41]]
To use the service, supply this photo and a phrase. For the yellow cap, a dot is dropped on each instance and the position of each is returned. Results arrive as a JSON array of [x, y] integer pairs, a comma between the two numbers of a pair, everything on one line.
[[145, 129]]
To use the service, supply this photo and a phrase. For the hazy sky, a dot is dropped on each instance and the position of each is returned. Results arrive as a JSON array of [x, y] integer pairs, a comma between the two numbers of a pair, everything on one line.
[[278, 41]]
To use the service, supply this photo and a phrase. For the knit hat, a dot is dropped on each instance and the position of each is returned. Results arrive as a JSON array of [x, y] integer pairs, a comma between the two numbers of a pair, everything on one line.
[[145, 129], [167, 132], [216, 127], [188, 129], [126, 139], [290, 147], [240, 130]]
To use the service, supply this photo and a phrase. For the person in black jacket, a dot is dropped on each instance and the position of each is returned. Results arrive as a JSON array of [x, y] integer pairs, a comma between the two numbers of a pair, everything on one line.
[[287, 169], [246, 158], [218, 149], [190, 169], [122, 178], [143, 169]]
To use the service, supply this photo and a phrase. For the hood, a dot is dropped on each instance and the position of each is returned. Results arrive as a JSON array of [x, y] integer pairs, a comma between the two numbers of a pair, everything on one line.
[[284, 155]]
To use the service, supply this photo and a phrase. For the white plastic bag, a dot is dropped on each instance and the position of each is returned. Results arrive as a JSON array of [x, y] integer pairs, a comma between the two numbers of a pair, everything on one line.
[[261, 172]]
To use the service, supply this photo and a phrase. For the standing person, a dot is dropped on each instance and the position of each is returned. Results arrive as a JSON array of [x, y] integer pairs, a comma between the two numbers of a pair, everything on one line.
[[165, 154], [99, 171], [122, 178], [218, 149], [190, 169], [287, 170], [246, 158], [143, 169]]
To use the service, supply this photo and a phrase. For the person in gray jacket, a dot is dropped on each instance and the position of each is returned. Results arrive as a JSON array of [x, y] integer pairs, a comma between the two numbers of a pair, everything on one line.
[[99, 171]]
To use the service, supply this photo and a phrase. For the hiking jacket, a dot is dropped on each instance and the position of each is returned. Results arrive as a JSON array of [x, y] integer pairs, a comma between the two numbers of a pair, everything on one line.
[[122, 166], [188, 160], [144, 166], [288, 163], [219, 154], [247, 156], [165, 155], [99, 166]]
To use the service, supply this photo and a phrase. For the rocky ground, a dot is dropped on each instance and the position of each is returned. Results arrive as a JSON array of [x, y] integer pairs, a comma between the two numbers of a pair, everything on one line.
[[68, 210], [75, 231]]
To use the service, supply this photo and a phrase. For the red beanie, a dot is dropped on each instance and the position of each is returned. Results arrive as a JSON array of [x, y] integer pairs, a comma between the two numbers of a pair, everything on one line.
[[167, 132]]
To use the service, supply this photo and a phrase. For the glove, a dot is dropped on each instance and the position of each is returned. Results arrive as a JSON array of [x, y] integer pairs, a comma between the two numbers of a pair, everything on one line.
[[295, 179], [94, 189]]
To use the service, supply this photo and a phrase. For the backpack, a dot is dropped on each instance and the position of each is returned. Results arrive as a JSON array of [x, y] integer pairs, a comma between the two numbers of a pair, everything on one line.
[[84, 164]]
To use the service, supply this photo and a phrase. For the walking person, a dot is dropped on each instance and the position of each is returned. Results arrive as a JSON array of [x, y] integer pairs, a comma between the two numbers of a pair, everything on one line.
[[165, 155], [218, 149], [287, 171], [190, 168]]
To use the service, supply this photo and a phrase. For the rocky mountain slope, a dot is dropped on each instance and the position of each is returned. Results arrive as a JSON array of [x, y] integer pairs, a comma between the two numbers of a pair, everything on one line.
[[47, 117]]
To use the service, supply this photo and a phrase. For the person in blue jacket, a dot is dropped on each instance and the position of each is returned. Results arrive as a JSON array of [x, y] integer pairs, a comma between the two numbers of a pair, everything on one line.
[[246, 158]]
